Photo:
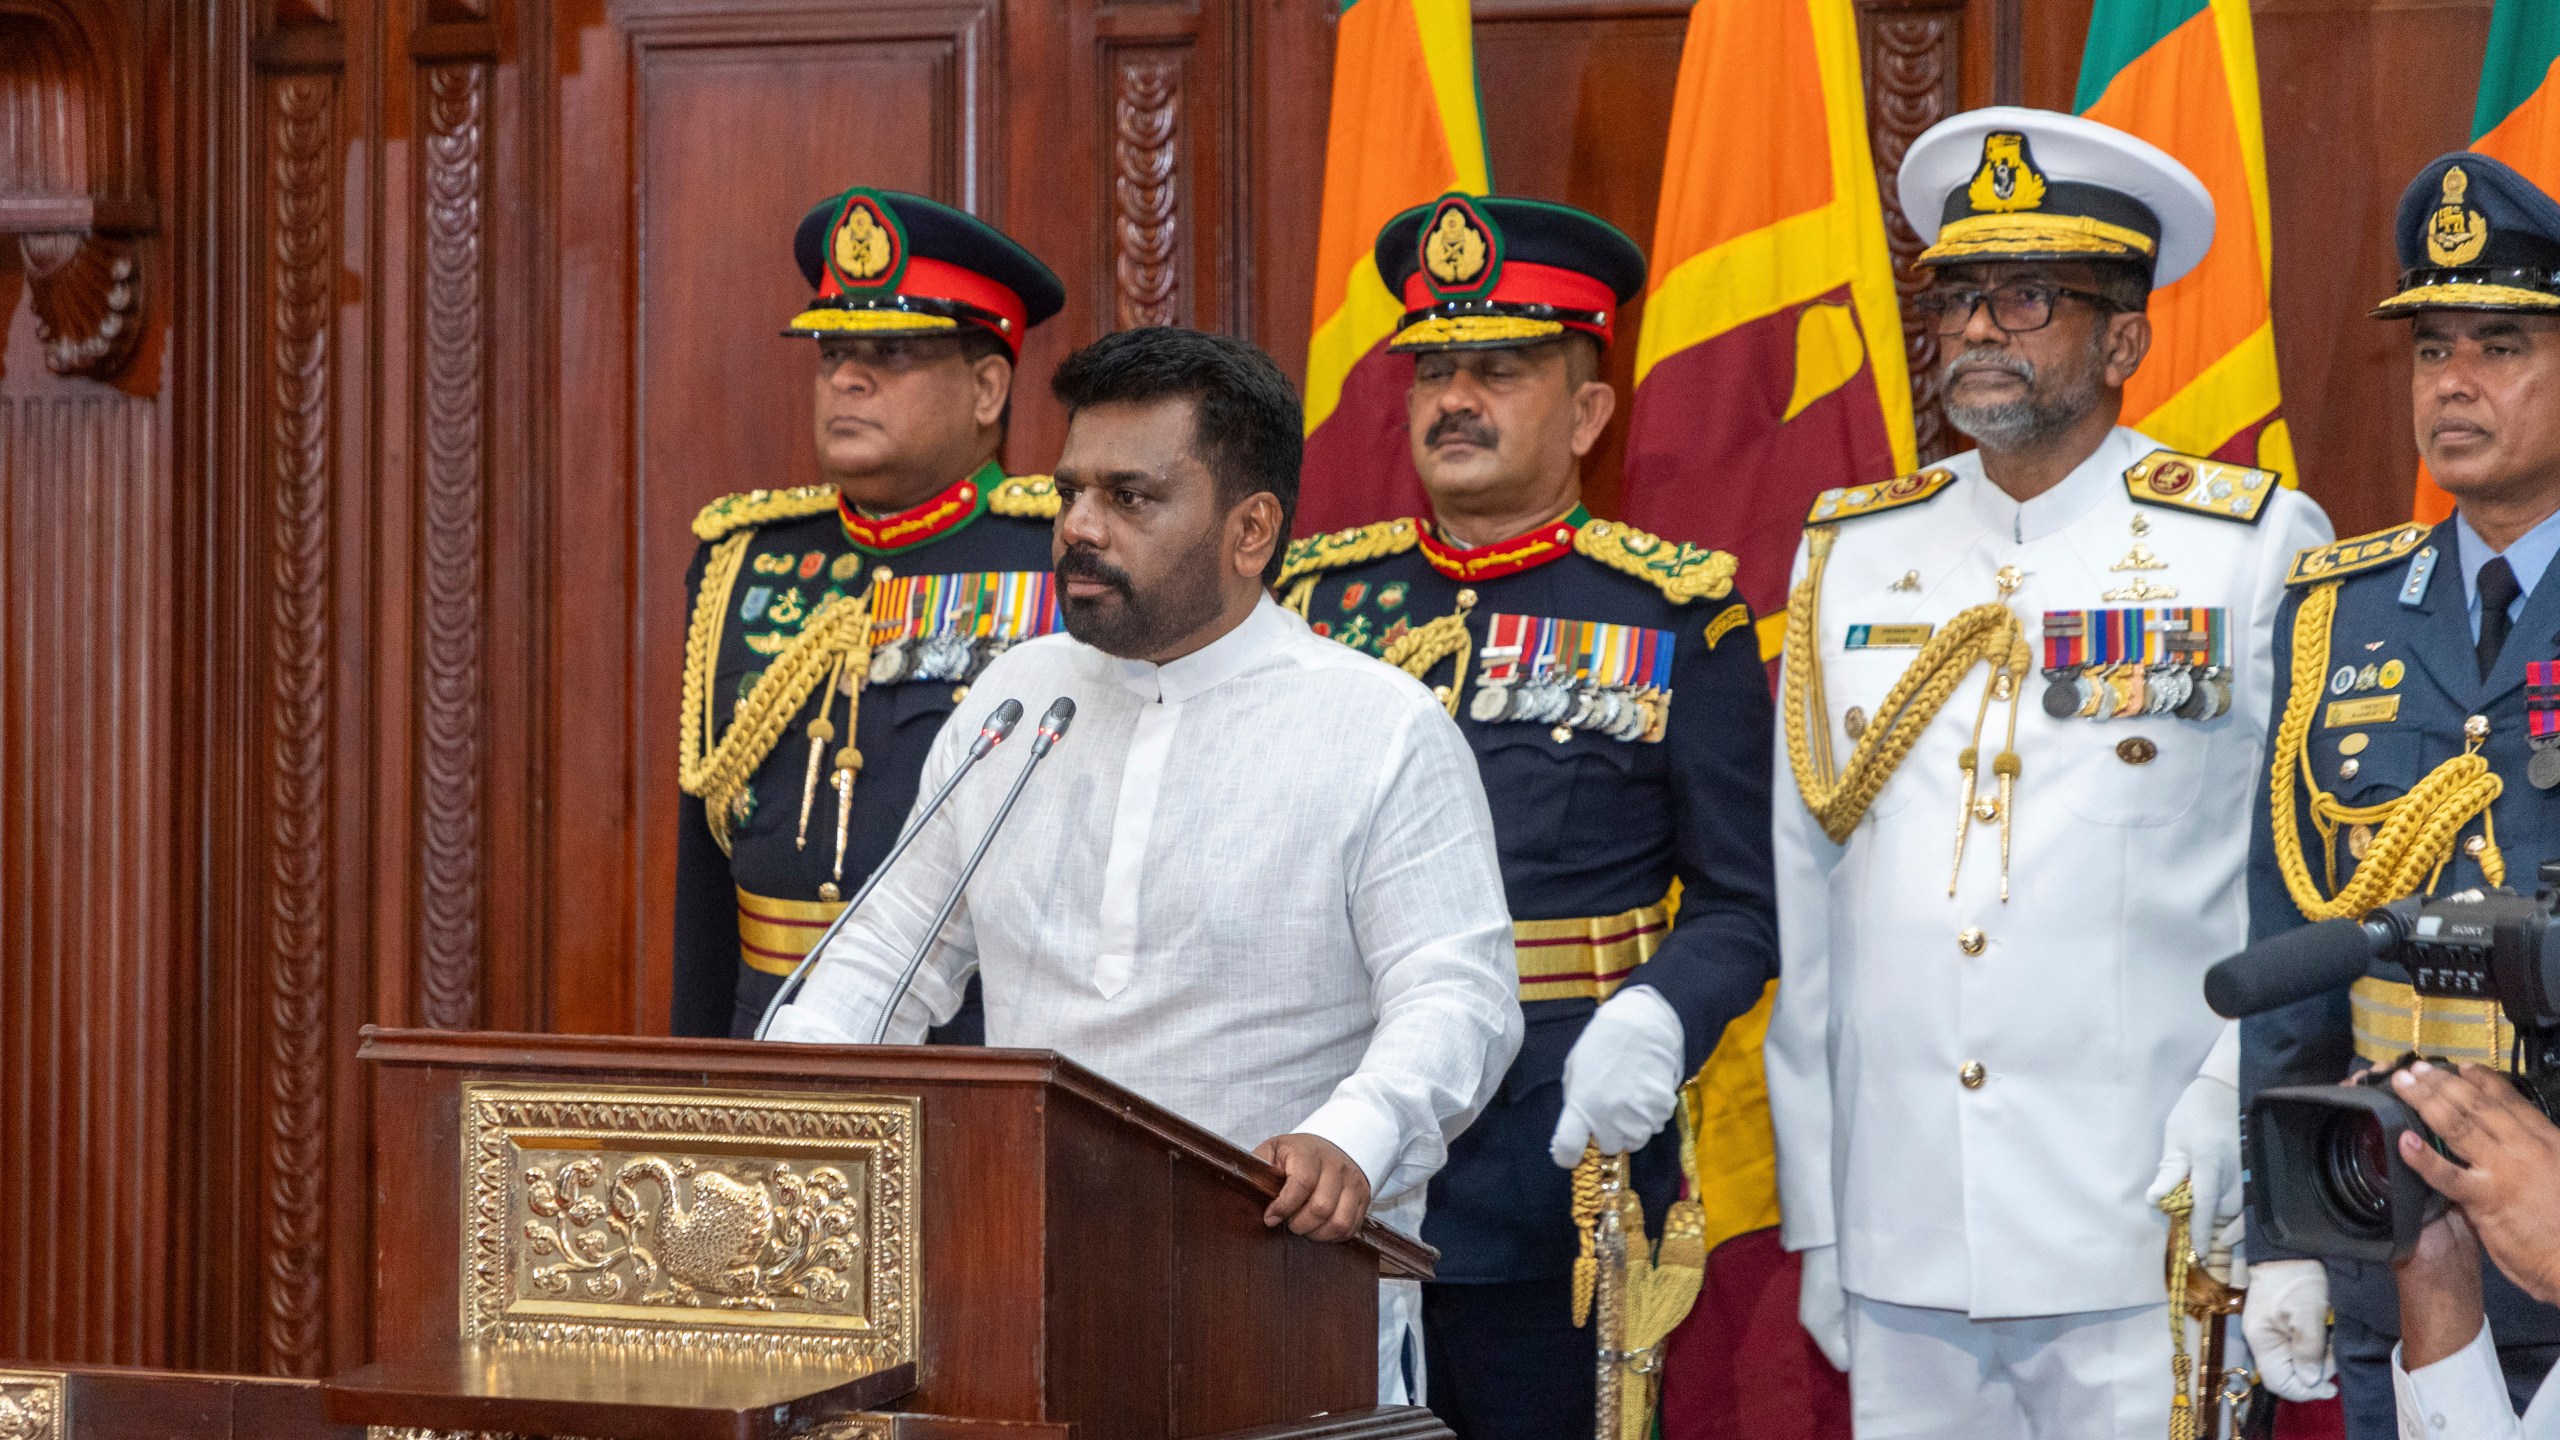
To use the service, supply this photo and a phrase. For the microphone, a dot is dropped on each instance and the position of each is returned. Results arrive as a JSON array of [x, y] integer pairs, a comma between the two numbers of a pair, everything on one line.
[[1053, 728], [991, 733], [2298, 964]]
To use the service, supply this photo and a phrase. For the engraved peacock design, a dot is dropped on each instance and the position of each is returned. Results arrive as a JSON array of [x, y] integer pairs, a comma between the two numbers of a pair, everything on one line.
[[663, 1230]]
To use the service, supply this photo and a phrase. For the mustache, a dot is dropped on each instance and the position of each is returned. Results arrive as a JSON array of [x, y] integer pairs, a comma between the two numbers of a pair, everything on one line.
[[2024, 369], [1464, 425], [1083, 562]]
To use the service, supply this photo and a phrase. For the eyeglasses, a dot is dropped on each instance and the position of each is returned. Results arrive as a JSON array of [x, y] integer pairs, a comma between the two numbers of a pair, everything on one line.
[[2016, 308]]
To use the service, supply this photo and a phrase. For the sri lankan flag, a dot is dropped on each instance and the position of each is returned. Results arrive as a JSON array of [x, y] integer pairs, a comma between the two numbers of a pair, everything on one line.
[[2516, 120], [1405, 129], [1771, 363], [2183, 74]]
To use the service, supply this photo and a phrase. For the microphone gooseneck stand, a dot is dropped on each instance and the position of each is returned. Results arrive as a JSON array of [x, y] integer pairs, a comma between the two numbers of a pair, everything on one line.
[[991, 733], [1053, 727]]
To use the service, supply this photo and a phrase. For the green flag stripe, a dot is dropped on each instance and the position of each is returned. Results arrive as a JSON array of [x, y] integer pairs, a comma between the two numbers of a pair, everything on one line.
[[2119, 31], [2524, 38]]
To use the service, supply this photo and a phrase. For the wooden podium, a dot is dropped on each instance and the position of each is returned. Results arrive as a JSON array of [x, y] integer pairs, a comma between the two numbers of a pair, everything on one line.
[[671, 1239]]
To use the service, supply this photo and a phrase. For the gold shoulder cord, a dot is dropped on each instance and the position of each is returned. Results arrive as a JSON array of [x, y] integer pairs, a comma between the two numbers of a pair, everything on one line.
[[2416, 831], [840, 626], [1987, 634], [1416, 651]]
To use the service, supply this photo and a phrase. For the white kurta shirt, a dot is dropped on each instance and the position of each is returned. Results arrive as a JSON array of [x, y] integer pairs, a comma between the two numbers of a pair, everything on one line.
[[2022, 1193], [1256, 885]]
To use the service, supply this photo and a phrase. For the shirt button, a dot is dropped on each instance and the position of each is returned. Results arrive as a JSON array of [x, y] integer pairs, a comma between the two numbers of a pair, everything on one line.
[[1969, 940], [1972, 1075]]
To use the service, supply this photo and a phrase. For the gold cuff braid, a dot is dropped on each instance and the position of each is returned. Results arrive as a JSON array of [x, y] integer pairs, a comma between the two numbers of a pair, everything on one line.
[[2417, 831]]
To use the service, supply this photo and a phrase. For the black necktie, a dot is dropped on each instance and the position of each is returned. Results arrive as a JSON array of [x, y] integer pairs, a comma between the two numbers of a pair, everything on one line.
[[2498, 590]]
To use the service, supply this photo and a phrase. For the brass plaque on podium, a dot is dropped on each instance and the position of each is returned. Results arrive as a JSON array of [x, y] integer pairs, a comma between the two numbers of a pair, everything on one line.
[[703, 1223]]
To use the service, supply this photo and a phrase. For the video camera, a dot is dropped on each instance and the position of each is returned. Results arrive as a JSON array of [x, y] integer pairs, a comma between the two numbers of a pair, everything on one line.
[[2325, 1173]]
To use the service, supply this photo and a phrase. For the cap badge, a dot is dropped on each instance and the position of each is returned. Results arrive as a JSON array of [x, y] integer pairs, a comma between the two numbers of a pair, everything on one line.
[[1461, 251], [866, 249], [2456, 232], [2008, 179]]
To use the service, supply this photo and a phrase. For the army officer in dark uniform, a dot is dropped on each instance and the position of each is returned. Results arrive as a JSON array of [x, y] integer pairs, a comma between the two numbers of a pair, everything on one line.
[[1612, 689], [2424, 669], [835, 626]]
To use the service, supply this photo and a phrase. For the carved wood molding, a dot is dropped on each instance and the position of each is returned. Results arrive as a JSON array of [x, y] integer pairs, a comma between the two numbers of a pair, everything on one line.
[[1911, 62], [451, 759], [1146, 125], [87, 297], [301, 265]]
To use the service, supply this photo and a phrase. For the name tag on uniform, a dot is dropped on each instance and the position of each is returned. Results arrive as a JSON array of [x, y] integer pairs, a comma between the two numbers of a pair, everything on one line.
[[2375, 710], [1888, 637]]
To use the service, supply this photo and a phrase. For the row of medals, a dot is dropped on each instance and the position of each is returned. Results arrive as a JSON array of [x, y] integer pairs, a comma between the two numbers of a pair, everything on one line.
[[944, 655], [2123, 692], [1556, 698]]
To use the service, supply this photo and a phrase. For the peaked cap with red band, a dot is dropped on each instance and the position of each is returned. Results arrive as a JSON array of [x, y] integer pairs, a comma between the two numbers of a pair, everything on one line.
[[887, 263], [1485, 272]]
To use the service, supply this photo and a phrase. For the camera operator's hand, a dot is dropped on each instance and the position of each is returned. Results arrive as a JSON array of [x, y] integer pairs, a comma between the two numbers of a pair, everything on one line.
[[2509, 1189], [2286, 1320], [2439, 1285]]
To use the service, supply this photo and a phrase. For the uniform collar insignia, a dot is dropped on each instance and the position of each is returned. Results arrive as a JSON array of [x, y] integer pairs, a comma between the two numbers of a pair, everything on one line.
[[1551, 541], [965, 501]]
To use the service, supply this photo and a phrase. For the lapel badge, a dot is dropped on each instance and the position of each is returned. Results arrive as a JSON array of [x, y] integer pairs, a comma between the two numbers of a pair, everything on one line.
[[2413, 591]]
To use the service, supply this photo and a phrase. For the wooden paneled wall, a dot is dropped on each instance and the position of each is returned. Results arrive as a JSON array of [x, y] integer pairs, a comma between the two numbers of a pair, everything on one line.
[[365, 360]]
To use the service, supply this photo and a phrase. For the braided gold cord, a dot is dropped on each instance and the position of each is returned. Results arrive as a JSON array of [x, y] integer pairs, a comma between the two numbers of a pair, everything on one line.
[[2180, 1204], [1416, 651], [1586, 1219], [1986, 634], [702, 655], [841, 629], [1300, 594], [2418, 830]]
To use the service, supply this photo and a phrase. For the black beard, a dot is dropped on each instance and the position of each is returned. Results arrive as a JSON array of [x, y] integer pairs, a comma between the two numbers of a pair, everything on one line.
[[1126, 623]]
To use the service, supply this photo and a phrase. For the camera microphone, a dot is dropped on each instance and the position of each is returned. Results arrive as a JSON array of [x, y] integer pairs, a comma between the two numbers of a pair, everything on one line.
[[2297, 965]]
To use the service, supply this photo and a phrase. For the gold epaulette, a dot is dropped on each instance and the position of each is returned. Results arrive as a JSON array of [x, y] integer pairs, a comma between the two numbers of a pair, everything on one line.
[[1681, 571], [761, 507], [1355, 546], [1028, 497], [1849, 502], [2200, 486], [2351, 556]]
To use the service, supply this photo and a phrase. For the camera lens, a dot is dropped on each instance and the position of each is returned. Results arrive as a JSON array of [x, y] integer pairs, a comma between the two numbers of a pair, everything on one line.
[[2355, 1163]]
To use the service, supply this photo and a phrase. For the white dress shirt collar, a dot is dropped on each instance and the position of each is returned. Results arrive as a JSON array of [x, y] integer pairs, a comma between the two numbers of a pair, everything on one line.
[[2055, 509], [1264, 629]]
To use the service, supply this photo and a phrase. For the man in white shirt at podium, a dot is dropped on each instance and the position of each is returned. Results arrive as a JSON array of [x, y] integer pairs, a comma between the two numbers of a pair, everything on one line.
[[1258, 886]]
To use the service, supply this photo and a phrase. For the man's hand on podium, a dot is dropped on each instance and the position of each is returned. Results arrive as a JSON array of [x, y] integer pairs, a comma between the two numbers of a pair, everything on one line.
[[1326, 1196]]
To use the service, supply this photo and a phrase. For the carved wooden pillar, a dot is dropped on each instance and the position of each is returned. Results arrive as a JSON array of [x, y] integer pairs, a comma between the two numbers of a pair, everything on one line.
[[298, 263], [1912, 54], [453, 50], [1167, 138]]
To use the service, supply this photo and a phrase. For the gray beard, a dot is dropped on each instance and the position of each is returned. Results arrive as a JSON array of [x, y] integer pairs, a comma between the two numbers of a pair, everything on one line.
[[2052, 404]]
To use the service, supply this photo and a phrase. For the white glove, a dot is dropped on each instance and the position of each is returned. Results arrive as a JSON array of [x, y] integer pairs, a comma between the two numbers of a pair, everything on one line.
[[1622, 1080], [1822, 1307], [2202, 1142], [2286, 1321]]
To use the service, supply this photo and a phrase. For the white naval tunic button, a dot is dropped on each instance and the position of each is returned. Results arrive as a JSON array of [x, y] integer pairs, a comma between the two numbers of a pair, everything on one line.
[[1970, 940], [1972, 1075]]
